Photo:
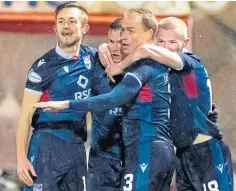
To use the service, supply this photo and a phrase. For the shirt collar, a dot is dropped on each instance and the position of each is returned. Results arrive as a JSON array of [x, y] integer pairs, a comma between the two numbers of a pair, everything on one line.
[[60, 52]]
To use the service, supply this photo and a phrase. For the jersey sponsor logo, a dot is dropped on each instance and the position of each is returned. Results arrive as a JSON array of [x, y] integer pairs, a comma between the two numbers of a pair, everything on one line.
[[118, 111], [220, 167], [143, 167], [41, 62], [82, 81], [66, 69], [38, 187], [34, 77], [83, 94], [87, 62]]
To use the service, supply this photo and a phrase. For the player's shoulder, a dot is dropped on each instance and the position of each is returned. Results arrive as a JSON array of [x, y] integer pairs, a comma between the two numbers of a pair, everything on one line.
[[43, 67], [144, 63], [46, 60], [191, 62], [146, 68], [149, 64], [195, 57], [89, 50]]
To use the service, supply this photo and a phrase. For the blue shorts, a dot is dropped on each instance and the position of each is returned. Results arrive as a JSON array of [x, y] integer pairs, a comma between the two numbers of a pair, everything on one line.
[[104, 174], [59, 160], [205, 166], [149, 166]]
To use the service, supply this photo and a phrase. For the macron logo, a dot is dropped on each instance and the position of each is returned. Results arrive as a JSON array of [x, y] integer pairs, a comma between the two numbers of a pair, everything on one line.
[[41, 62], [66, 69], [143, 167], [220, 167]]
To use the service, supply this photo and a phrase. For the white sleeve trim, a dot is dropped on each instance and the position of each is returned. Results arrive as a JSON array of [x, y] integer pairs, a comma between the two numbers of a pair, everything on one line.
[[135, 76], [33, 91]]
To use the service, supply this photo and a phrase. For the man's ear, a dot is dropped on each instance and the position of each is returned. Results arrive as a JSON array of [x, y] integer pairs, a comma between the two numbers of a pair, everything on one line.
[[186, 41], [85, 29], [151, 34]]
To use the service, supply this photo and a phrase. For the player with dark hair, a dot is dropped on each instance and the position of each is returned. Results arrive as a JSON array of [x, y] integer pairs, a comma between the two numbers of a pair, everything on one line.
[[106, 151]]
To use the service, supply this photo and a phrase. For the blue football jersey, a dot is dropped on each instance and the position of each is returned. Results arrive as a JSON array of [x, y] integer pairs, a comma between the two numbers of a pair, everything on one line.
[[106, 133], [191, 102], [145, 90], [106, 130], [148, 113], [63, 77]]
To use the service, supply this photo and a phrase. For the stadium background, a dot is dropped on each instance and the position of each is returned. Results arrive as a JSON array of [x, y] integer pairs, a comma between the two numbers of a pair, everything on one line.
[[26, 33]]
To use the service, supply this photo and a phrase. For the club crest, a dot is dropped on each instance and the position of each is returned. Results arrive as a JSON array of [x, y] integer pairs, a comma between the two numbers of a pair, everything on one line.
[[87, 62]]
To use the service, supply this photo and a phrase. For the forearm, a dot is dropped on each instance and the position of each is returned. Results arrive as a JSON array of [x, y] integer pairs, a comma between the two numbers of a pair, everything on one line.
[[131, 58], [165, 57], [161, 55], [22, 135], [121, 94], [97, 104], [23, 129]]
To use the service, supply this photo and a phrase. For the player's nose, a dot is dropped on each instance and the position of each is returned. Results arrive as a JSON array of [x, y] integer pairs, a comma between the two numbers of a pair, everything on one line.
[[66, 25]]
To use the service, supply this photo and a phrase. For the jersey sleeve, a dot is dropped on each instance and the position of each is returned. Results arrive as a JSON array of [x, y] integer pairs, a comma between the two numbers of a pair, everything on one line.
[[142, 70], [189, 62], [39, 76], [124, 92]]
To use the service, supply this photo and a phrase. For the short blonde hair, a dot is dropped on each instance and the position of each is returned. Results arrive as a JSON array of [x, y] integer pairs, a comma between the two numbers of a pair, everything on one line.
[[73, 5], [148, 18], [171, 23]]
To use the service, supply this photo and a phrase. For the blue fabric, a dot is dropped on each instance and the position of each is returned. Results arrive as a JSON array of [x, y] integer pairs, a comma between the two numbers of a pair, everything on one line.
[[147, 131], [220, 170], [64, 78]]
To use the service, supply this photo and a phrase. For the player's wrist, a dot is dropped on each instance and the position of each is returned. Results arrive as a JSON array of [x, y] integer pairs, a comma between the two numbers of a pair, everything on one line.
[[71, 104], [21, 157], [121, 66], [67, 104]]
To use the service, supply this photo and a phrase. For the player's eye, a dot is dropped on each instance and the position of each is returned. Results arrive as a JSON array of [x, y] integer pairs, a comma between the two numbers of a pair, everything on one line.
[[72, 21], [111, 41], [60, 22], [172, 42]]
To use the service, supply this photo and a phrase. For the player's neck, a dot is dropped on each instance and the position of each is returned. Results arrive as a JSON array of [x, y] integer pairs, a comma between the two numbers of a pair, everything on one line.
[[70, 50]]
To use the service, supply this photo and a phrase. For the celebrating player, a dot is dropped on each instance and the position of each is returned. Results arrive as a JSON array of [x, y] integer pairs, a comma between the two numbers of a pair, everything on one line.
[[149, 154], [56, 155], [204, 157], [106, 147]]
